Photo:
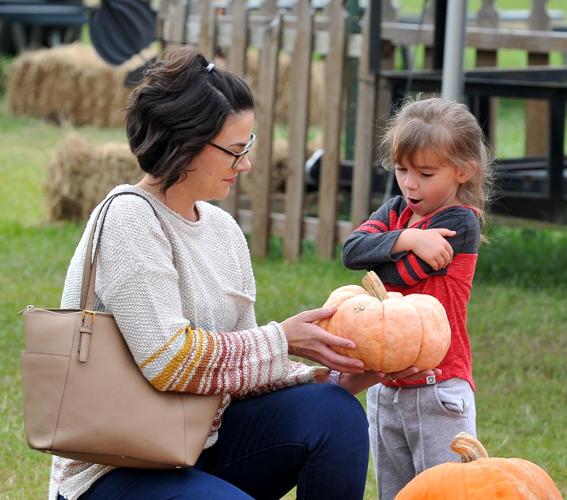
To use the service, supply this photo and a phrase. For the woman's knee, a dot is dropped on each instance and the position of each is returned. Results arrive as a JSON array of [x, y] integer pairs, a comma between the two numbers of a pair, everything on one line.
[[332, 409]]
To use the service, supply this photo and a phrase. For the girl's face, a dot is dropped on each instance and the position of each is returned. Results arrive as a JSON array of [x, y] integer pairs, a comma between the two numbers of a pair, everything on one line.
[[427, 183], [211, 174]]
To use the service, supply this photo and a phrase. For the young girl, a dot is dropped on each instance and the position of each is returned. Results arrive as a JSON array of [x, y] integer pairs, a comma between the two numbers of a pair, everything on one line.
[[426, 241]]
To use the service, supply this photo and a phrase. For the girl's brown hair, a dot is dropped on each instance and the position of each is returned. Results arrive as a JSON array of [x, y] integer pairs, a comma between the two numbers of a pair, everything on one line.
[[450, 130]]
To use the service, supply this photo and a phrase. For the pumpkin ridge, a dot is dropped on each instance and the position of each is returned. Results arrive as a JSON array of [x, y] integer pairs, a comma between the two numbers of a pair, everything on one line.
[[521, 466], [401, 347], [422, 329], [510, 474], [380, 338]]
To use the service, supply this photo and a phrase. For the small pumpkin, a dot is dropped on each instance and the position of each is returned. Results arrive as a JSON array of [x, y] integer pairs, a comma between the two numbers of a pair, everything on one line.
[[480, 477], [392, 332]]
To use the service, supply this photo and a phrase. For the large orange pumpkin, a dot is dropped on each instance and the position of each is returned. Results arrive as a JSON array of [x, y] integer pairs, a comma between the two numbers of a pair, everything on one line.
[[480, 477], [392, 332]]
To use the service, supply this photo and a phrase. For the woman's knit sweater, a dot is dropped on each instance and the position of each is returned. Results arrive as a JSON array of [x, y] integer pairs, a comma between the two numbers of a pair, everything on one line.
[[182, 294]]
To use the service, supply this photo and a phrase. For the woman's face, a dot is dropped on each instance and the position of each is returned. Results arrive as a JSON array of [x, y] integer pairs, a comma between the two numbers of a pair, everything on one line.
[[211, 174]]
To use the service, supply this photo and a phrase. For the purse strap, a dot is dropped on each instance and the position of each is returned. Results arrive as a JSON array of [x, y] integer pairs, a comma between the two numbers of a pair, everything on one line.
[[89, 266]]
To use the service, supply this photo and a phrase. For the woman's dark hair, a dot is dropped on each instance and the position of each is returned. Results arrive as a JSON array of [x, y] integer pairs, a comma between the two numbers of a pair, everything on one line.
[[177, 109]]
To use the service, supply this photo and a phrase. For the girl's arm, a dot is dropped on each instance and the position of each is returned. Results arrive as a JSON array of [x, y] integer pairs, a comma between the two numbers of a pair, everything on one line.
[[371, 243], [429, 245], [408, 267]]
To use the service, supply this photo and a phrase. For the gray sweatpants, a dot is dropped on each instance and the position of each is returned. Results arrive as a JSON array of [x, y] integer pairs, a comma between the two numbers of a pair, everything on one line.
[[411, 429]]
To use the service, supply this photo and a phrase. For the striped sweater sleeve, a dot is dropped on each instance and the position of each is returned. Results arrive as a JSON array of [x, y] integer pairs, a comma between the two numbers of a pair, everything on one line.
[[371, 243], [299, 373], [138, 283]]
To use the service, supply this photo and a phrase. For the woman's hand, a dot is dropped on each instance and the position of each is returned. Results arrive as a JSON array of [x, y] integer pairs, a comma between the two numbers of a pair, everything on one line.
[[356, 382], [308, 340]]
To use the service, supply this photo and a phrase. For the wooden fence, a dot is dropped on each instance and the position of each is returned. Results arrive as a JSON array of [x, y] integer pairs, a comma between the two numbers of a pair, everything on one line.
[[307, 35]]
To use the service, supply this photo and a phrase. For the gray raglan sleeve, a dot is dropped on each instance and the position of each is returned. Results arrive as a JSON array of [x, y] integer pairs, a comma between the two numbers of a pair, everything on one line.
[[371, 243], [406, 268]]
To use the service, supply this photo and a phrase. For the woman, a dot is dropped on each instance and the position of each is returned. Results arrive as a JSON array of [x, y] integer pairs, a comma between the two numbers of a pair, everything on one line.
[[182, 292]]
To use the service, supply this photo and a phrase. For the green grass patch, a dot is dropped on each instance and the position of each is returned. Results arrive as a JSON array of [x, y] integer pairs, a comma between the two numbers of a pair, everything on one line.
[[32, 271], [517, 319], [524, 257]]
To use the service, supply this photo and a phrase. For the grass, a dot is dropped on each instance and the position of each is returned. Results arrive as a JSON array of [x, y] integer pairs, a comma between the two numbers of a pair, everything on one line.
[[517, 317]]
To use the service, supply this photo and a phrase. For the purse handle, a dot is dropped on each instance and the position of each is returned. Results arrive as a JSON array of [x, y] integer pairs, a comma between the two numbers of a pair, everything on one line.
[[89, 266]]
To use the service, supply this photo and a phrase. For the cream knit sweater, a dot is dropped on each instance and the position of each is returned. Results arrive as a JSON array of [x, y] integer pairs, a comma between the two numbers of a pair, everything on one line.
[[183, 297]]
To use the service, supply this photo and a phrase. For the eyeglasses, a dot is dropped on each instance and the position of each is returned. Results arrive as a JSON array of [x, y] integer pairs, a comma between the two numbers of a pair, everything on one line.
[[237, 156]]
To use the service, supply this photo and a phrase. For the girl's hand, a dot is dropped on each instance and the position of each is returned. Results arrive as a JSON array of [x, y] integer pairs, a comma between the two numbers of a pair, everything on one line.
[[308, 340], [355, 382], [429, 245]]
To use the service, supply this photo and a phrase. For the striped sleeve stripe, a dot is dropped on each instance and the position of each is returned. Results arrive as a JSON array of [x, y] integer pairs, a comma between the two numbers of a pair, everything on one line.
[[405, 274], [204, 351], [164, 380], [373, 226], [163, 348], [415, 267], [393, 218]]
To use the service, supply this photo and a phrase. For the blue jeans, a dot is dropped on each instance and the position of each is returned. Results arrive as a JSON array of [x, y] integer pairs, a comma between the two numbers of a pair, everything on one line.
[[312, 436]]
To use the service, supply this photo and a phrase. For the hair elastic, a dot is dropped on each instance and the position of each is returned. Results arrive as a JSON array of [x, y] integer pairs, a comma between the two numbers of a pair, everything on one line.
[[210, 67]]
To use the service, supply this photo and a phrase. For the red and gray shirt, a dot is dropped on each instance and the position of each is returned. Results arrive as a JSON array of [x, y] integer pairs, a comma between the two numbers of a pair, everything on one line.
[[369, 247]]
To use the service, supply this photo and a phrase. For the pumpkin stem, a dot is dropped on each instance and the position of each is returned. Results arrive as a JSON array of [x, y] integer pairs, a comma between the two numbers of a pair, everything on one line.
[[468, 447], [374, 286]]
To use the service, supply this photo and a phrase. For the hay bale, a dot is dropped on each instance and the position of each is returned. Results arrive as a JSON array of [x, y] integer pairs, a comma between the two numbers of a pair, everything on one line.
[[81, 174], [69, 84]]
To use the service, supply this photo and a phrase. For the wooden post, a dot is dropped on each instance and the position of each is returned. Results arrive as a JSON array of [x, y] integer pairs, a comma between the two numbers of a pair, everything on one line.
[[207, 37], [350, 80], [429, 18], [330, 168], [384, 103], [488, 17], [300, 73], [389, 10], [269, 7], [239, 37], [537, 112], [172, 17], [236, 64], [268, 75], [365, 131]]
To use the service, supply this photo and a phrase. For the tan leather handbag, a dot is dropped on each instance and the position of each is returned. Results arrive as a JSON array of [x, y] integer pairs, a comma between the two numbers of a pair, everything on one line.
[[86, 399]]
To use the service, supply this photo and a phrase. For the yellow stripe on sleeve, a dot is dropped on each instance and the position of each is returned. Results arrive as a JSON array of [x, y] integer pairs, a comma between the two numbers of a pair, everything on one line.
[[200, 337], [164, 347]]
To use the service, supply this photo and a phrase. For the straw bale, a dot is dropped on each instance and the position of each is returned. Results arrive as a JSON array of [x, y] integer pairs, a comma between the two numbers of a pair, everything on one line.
[[81, 174], [69, 84]]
